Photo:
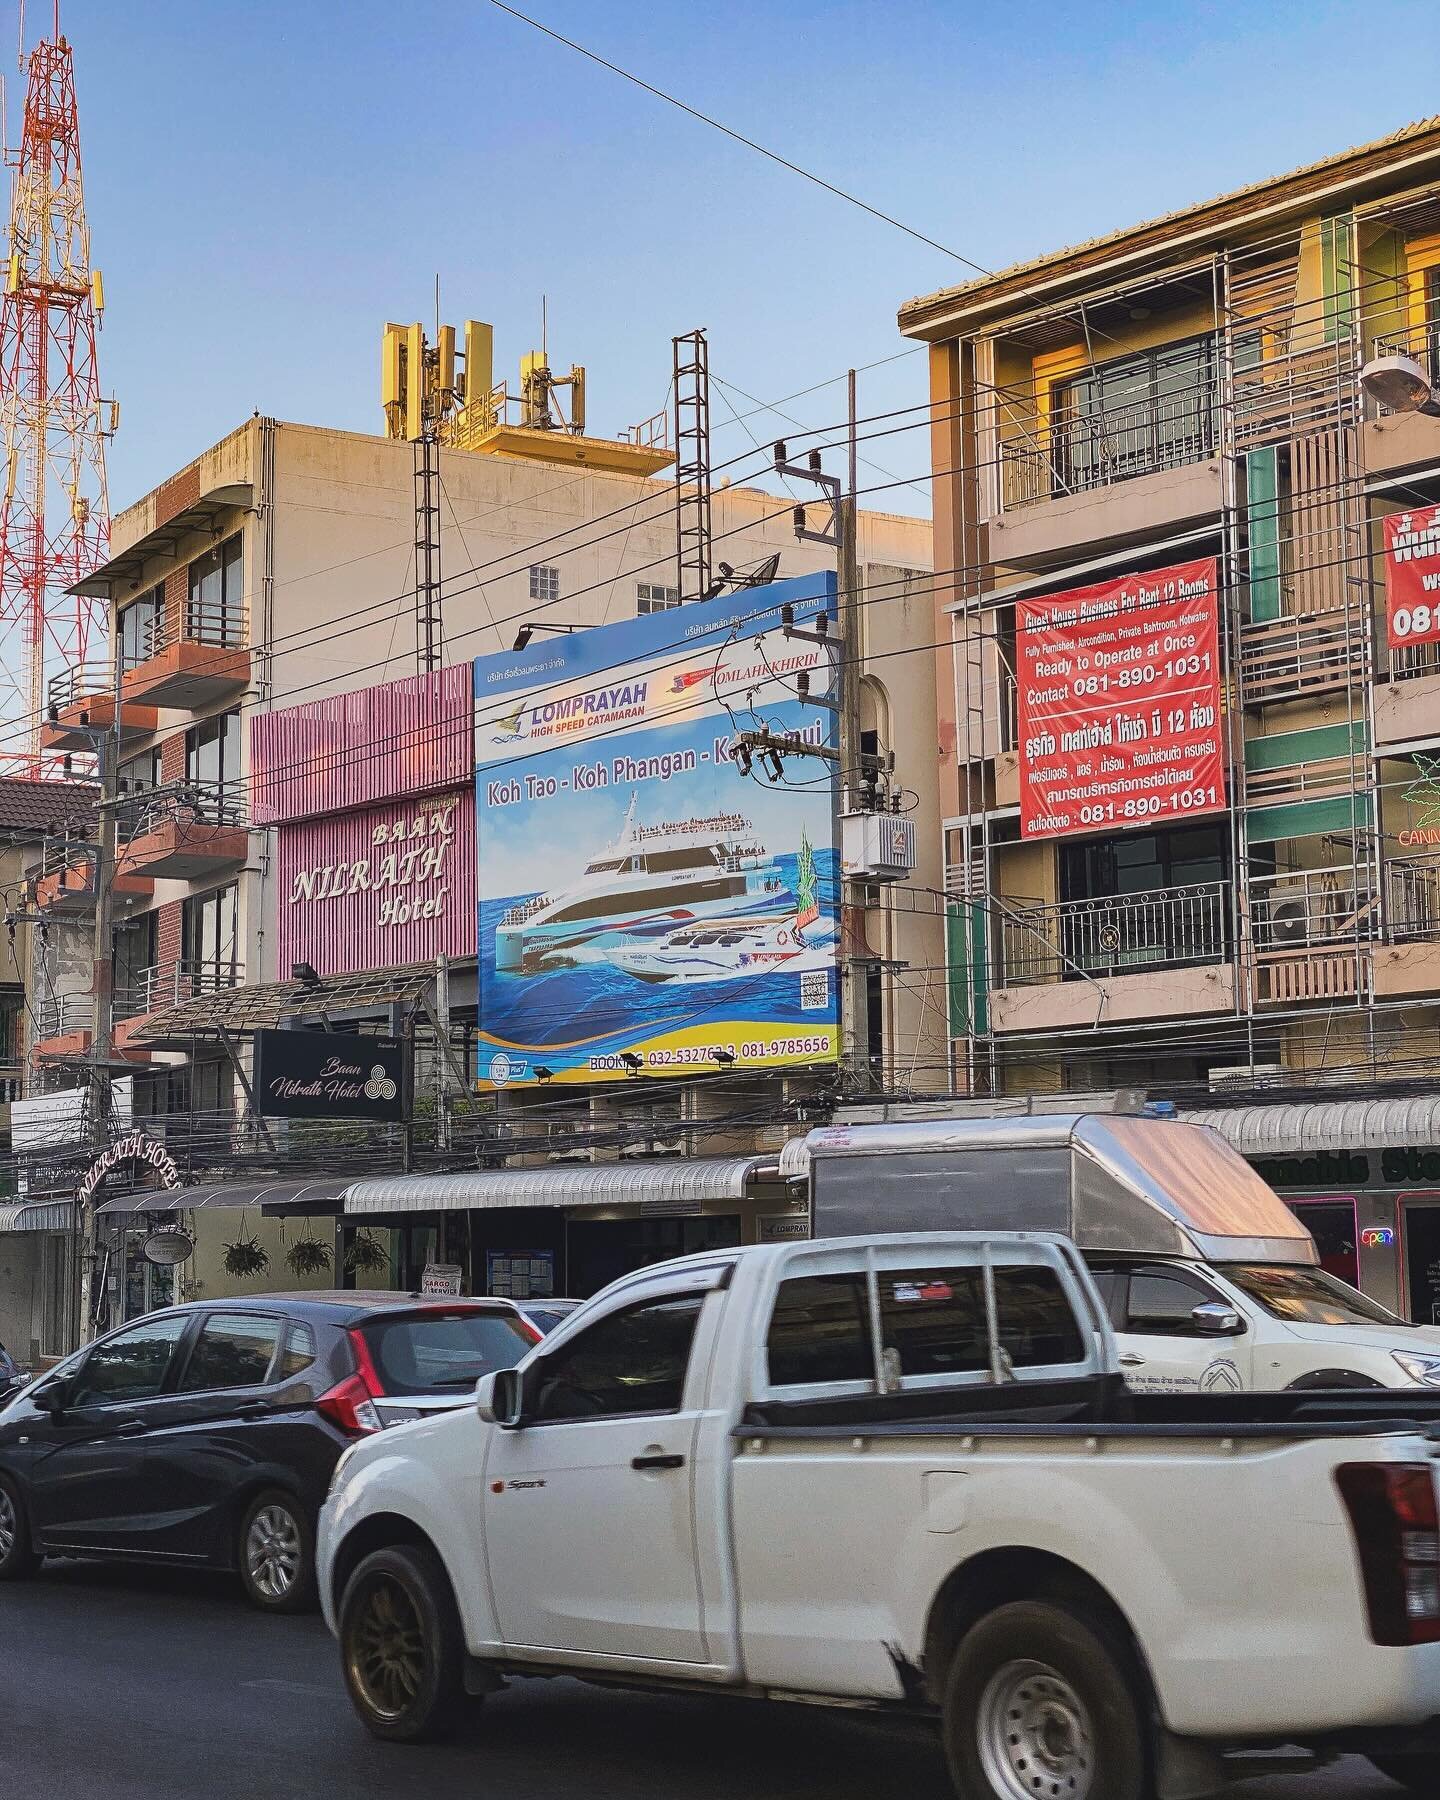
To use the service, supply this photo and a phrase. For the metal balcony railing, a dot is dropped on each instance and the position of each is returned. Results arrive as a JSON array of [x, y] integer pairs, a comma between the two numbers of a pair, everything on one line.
[[57, 1015], [169, 984], [1122, 934], [71, 687], [196, 622], [1308, 909], [1077, 448], [1412, 898], [12, 1083], [211, 803], [1422, 341]]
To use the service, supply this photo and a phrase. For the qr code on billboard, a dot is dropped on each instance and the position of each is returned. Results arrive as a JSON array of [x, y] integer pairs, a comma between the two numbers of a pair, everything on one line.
[[814, 991]]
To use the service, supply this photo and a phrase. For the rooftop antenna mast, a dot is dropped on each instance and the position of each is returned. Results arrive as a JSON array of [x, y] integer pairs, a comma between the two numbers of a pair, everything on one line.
[[55, 509]]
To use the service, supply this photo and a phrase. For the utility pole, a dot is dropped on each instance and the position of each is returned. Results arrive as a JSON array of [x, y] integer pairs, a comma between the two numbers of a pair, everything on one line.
[[855, 967], [102, 987]]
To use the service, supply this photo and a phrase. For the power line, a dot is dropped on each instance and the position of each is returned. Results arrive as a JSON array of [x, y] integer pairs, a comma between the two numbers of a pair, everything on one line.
[[740, 138]]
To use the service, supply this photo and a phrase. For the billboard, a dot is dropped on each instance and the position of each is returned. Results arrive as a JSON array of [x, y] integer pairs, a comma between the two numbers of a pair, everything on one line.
[[1412, 577], [330, 1075], [644, 906], [1119, 703]]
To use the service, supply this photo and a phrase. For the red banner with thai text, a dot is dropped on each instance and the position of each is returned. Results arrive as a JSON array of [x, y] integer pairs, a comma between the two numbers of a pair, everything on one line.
[[1119, 703], [1412, 577]]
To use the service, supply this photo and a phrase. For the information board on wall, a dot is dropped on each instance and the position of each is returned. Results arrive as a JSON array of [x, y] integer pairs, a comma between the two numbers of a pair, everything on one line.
[[520, 1274], [1119, 703], [1412, 577]]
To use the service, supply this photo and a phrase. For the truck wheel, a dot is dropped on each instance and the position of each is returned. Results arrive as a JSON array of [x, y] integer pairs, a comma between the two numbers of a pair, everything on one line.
[[401, 1645], [1420, 1774], [1332, 1378], [17, 1558], [1042, 1703]]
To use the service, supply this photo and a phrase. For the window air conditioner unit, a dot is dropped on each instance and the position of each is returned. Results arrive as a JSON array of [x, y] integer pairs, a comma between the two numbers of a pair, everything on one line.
[[653, 1146], [1245, 1077]]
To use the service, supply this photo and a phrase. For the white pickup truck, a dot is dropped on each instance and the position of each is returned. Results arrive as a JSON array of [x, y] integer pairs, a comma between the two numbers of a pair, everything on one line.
[[905, 1473]]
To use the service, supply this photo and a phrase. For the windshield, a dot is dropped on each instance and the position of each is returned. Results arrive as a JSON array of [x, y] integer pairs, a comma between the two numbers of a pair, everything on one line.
[[1308, 1296], [424, 1352]]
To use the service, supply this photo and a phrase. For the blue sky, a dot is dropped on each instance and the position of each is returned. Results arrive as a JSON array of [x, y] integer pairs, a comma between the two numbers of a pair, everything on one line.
[[268, 183]]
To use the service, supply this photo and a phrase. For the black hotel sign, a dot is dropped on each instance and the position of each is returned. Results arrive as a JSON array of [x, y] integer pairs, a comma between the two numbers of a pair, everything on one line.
[[330, 1075]]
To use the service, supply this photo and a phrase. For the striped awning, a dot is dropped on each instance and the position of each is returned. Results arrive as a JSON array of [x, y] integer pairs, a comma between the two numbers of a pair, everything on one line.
[[677, 1185], [1295, 1128], [38, 1215]]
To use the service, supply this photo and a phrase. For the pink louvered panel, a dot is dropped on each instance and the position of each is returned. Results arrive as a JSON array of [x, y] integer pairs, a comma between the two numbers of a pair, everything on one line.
[[376, 887], [403, 737]]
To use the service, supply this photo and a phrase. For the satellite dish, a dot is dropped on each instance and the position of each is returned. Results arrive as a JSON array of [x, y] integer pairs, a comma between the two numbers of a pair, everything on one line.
[[168, 1246]]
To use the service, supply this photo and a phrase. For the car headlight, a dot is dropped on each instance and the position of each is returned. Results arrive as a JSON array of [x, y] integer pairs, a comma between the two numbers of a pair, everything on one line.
[[1424, 1369]]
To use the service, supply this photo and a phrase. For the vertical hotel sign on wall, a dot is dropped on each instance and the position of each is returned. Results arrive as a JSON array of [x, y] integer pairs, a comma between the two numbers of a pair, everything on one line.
[[1412, 577], [1119, 703]]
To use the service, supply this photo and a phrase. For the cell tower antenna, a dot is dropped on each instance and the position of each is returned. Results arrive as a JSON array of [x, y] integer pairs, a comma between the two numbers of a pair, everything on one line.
[[55, 508]]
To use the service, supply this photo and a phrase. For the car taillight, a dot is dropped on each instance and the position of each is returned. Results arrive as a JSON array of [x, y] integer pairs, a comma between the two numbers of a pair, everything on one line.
[[1397, 1535], [351, 1406], [365, 1365]]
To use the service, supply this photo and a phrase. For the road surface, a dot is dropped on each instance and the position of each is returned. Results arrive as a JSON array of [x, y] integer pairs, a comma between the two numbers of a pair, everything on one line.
[[128, 1684]]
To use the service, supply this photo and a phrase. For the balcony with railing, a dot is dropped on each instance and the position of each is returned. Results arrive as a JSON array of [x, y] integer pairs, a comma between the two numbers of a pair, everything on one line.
[[190, 656], [1312, 932], [66, 880], [1406, 440], [1075, 472], [164, 985], [1156, 954], [64, 1031], [1408, 961], [81, 701], [182, 831]]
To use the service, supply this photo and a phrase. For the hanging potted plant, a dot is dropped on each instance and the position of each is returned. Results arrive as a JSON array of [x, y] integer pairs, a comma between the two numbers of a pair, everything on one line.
[[246, 1256], [366, 1256], [308, 1256]]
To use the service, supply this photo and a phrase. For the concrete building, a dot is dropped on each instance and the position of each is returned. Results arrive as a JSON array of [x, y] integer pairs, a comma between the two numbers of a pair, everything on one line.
[[1177, 396], [278, 567]]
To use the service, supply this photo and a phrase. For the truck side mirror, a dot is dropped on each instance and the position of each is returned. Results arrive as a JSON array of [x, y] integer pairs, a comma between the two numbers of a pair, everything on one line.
[[1217, 1320], [499, 1399]]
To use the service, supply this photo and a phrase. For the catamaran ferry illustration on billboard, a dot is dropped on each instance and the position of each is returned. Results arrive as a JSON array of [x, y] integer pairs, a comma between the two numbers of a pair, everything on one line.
[[650, 881]]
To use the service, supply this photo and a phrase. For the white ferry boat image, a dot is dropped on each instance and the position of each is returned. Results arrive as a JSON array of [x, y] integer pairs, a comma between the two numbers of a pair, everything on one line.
[[728, 950], [651, 880]]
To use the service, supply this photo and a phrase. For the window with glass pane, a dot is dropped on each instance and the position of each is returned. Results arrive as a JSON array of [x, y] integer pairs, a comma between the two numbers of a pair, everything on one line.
[[132, 1365], [819, 1331], [134, 952], [208, 931], [215, 608], [1161, 1305], [141, 773], [544, 582], [652, 597], [934, 1320], [632, 1362], [299, 1350], [135, 627], [212, 751], [1035, 1320], [1134, 415], [233, 1350]]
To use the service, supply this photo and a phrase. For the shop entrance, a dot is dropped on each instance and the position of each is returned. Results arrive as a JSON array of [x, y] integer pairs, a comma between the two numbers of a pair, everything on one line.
[[597, 1250], [1422, 1259], [1332, 1225]]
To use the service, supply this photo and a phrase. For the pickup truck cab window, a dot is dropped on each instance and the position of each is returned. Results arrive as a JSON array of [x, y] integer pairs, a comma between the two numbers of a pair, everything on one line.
[[629, 1363], [1162, 1302]]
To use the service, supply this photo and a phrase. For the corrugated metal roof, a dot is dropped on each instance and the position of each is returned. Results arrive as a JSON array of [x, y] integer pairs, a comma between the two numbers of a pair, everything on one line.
[[1294, 1129], [42, 1215], [1036, 265], [682, 1182]]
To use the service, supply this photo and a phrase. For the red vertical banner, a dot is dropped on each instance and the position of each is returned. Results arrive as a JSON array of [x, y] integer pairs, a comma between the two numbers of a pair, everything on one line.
[[1412, 577], [1119, 703]]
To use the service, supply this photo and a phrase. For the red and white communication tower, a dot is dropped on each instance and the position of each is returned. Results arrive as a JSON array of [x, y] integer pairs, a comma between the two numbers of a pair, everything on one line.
[[55, 513]]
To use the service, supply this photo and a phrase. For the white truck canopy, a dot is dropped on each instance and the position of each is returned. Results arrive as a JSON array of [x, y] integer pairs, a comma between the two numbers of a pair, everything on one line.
[[1111, 1182]]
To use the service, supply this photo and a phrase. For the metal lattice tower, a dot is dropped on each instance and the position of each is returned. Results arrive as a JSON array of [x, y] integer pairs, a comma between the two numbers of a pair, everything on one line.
[[691, 393], [55, 514]]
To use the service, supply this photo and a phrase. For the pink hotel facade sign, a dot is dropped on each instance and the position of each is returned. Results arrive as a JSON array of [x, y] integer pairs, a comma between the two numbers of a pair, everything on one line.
[[373, 801]]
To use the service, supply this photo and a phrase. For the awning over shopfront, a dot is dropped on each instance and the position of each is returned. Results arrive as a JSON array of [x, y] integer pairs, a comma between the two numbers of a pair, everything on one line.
[[38, 1215], [1303, 1128], [272, 1197], [680, 1184]]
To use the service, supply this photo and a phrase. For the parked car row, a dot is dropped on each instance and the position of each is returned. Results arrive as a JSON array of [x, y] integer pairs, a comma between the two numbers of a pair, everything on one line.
[[206, 1434]]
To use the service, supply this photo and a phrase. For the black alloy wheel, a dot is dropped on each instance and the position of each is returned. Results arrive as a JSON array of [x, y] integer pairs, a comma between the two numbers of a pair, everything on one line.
[[401, 1646], [17, 1556]]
